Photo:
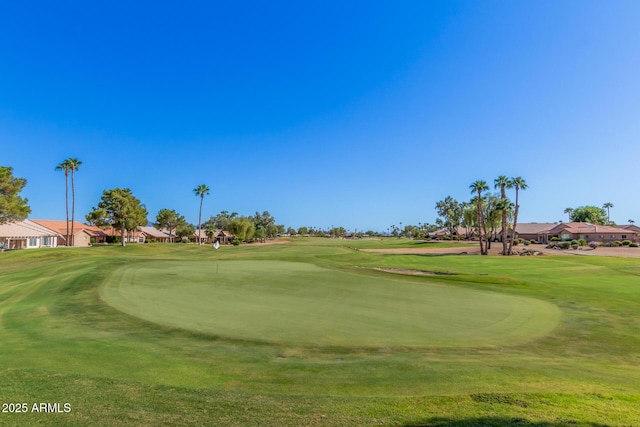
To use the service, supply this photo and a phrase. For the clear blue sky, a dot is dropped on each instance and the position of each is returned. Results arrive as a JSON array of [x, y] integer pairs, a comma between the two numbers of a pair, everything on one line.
[[361, 114]]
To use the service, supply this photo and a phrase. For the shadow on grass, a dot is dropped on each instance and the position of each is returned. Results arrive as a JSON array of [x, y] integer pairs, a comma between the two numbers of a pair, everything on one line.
[[498, 422]]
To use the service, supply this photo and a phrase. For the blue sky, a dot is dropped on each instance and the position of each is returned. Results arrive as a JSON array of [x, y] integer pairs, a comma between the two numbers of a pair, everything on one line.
[[361, 114]]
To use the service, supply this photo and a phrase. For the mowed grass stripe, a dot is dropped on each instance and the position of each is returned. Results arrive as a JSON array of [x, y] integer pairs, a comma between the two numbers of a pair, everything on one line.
[[303, 304]]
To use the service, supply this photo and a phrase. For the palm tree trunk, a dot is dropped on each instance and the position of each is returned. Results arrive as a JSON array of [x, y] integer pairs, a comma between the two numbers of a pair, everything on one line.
[[515, 223], [73, 205], [480, 221], [200, 219], [66, 198], [504, 232]]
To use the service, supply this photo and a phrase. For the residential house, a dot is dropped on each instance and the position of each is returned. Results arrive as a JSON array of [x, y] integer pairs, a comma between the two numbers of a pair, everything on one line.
[[631, 227], [589, 232], [223, 237], [26, 235], [152, 234], [463, 232], [83, 234], [530, 230]]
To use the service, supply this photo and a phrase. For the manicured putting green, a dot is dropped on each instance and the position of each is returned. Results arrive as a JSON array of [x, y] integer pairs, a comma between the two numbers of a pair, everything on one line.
[[303, 304]]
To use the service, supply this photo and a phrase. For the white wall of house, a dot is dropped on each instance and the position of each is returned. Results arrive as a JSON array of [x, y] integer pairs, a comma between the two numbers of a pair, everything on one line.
[[18, 242]]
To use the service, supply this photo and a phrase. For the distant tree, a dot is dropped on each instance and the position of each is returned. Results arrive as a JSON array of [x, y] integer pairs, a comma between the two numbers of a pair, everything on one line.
[[303, 230], [209, 230], [451, 212], [120, 209], [502, 182], [222, 220], [201, 190], [608, 206], [185, 230], [492, 208], [98, 217], [268, 222], [478, 187], [291, 231], [243, 228], [469, 218], [591, 214], [260, 234], [338, 232], [631, 222], [519, 184], [568, 211], [169, 219], [12, 207]]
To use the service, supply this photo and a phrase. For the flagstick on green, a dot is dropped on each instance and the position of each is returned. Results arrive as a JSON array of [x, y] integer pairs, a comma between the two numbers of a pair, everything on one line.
[[216, 245]]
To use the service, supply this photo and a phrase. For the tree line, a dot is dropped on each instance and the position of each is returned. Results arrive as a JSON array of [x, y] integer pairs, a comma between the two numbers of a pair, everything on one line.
[[485, 213]]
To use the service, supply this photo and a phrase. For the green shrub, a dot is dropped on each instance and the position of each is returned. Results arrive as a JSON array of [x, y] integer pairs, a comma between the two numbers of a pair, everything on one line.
[[533, 242], [626, 242], [575, 243], [565, 245], [582, 242], [526, 242], [554, 239], [633, 245], [235, 242], [616, 243]]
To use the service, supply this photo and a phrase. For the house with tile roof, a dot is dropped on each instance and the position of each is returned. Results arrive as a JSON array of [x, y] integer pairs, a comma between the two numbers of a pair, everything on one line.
[[152, 234], [26, 235], [83, 234], [589, 232], [530, 230]]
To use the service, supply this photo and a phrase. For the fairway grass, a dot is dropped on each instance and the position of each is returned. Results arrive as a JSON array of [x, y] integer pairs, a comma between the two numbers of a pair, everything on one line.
[[300, 304], [313, 333]]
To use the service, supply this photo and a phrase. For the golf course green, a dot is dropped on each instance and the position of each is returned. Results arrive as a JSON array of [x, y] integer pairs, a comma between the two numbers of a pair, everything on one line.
[[303, 304], [317, 332]]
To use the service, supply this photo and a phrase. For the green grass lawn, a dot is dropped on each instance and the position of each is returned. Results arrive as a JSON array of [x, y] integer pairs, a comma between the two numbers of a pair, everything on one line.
[[311, 333]]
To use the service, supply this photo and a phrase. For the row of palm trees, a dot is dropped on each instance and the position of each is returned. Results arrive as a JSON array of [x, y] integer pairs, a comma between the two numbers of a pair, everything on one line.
[[505, 205], [71, 165]]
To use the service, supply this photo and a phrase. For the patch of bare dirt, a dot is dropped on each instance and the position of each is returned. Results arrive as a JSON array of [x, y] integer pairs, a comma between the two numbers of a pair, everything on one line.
[[496, 249]]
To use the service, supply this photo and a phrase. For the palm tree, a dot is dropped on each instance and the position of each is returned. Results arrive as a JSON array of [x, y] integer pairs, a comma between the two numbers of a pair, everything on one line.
[[200, 190], [74, 165], [503, 182], [478, 187], [631, 222], [569, 211], [608, 206], [66, 167], [519, 184]]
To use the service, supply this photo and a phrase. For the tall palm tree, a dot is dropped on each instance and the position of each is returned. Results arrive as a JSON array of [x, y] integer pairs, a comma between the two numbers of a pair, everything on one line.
[[478, 187], [200, 190], [569, 211], [519, 184], [74, 165], [631, 222], [608, 206], [66, 167], [503, 182]]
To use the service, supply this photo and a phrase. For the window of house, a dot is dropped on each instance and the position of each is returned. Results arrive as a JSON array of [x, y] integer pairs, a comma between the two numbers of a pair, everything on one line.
[[33, 241], [46, 241], [624, 236]]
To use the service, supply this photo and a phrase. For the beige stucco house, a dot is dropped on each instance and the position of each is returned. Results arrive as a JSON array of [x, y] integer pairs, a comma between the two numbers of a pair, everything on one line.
[[26, 235]]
